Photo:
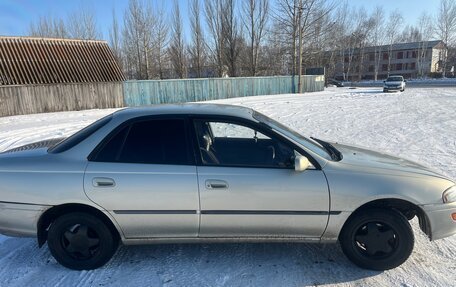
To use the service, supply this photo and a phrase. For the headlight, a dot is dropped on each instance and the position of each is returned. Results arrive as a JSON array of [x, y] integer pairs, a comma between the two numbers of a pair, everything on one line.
[[449, 195]]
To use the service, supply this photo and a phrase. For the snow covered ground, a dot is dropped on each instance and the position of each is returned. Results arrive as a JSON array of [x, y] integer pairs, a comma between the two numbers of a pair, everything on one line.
[[419, 124], [425, 82]]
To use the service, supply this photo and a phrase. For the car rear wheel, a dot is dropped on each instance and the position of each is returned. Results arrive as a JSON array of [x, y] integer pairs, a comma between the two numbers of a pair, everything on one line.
[[377, 239], [81, 241]]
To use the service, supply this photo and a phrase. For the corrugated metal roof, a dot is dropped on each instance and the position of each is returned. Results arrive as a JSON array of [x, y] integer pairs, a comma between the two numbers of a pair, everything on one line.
[[28, 61]]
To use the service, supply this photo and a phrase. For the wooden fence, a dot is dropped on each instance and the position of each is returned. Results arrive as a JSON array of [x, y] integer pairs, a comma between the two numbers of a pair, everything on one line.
[[140, 93], [30, 99]]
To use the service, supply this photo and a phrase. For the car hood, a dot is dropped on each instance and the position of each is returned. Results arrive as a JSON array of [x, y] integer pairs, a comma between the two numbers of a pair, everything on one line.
[[373, 160]]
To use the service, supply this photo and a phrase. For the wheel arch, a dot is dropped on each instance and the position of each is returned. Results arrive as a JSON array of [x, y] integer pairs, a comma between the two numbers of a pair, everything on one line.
[[54, 212], [408, 209]]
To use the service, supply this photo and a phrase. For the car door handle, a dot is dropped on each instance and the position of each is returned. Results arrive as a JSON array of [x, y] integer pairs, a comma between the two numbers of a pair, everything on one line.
[[103, 182], [216, 184]]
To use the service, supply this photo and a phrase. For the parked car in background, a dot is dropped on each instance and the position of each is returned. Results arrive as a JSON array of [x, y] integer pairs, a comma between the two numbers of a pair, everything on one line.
[[335, 82], [394, 83], [215, 173]]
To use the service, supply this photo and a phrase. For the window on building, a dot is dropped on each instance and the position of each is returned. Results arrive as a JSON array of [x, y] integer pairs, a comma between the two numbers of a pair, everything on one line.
[[384, 67], [412, 66], [399, 67], [413, 54], [385, 56], [371, 57], [407, 54], [371, 68], [406, 66], [400, 55], [346, 59]]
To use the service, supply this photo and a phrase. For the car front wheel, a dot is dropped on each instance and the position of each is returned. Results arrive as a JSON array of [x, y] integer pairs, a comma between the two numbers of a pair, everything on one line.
[[81, 241], [377, 239]]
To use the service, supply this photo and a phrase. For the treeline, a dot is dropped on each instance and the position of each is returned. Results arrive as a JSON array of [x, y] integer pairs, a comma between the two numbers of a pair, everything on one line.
[[246, 37]]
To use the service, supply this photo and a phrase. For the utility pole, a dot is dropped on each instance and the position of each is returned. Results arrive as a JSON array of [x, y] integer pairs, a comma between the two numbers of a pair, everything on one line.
[[300, 46]]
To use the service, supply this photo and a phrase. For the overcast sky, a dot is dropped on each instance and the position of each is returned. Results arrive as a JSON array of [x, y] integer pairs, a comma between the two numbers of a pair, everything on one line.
[[16, 15]]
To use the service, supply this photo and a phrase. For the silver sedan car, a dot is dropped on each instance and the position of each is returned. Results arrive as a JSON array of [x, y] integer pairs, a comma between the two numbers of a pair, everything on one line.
[[215, 173]]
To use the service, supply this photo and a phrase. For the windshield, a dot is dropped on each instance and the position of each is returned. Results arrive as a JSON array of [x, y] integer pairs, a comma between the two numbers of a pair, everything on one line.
[[394, 79], [308, 143]]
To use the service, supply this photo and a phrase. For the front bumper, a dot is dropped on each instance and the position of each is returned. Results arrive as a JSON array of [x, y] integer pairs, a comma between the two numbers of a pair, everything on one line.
[[440, 220], [392, 89], [19, 219]]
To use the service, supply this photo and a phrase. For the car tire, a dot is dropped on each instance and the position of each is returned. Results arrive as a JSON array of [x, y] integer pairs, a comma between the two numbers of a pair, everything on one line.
[[81, 241], [377, 239], [385, 90], [402, 90]]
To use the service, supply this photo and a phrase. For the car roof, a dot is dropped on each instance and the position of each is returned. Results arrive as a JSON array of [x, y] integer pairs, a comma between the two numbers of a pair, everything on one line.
[[186, 109]]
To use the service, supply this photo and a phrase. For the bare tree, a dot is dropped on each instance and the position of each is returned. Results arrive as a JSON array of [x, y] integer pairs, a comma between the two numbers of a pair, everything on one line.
[[364, 25], [275, 54], [377, 37], [231, 37], [115, 39], [139, 23], [299, 20], [255, 15], [48, 27], [82, 24], [395, 20], [425, 30], [198, 48], [214, 17], [446, 26], [286, 17], [410, 34], [160, 42], [177, 48], [343, 26]]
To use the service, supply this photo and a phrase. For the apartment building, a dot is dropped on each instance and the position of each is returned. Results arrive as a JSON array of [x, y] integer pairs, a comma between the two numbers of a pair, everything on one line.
[[411, 60]]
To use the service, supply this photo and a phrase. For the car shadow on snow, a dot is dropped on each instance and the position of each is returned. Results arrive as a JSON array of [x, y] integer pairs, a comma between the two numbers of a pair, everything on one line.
[[262, 264], [265, 264]]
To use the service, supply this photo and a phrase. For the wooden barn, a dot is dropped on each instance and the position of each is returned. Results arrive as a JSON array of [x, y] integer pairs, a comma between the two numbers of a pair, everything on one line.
[[47, 74]]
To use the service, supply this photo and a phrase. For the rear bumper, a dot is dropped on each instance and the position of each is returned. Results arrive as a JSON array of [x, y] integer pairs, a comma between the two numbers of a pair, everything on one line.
[[20, 220], [440, 220]]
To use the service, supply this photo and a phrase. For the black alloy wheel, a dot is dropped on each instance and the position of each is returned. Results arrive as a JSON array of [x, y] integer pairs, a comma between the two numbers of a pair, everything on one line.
[[377, 239], [81, 241]]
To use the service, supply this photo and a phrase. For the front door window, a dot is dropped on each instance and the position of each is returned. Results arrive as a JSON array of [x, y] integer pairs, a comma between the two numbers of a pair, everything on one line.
[[232, 144]]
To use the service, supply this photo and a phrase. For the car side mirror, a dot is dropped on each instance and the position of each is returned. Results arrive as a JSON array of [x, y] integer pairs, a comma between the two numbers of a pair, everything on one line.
[[301, 163]]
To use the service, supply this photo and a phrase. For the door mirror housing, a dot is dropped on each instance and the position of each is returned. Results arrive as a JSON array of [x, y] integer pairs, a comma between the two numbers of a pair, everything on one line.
[[301, 163]]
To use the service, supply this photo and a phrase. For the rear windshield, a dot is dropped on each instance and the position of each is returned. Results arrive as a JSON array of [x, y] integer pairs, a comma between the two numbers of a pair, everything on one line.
[[81, 135]]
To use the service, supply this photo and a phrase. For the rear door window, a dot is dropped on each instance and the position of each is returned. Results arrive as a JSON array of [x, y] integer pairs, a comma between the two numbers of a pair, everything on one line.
[[154, 141]]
